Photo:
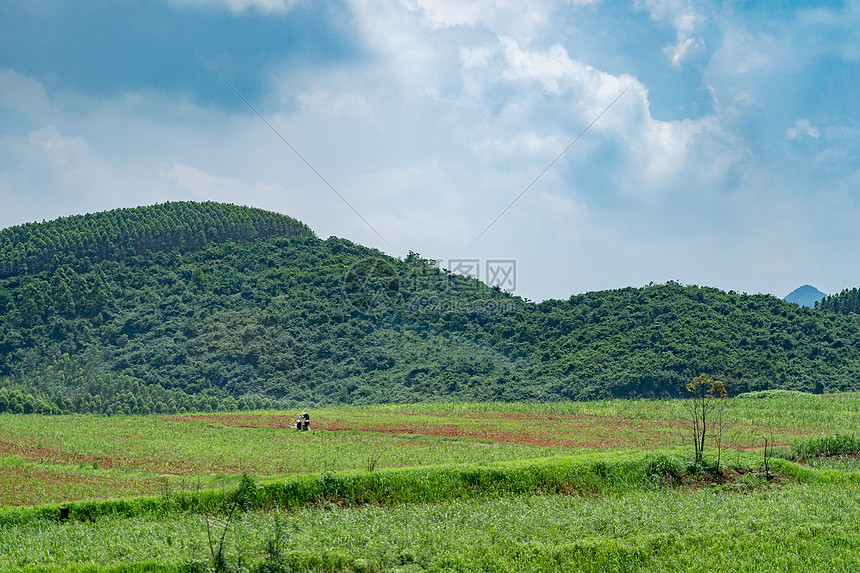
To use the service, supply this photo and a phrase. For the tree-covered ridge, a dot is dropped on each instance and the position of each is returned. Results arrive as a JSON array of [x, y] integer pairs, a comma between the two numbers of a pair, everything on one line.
[[651, 341], [846, 302], [267, 319], [297, 319], [121, 233]]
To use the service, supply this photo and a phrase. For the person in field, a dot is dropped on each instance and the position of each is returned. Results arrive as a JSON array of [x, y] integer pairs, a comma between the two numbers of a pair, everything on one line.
[[306, 421]]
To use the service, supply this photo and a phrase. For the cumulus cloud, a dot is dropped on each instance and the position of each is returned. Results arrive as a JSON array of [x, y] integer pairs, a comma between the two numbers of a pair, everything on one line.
[[443, 13], [575, 94], [199, 183], [686, 44], [447, 113], [404, 52], [71, 155]]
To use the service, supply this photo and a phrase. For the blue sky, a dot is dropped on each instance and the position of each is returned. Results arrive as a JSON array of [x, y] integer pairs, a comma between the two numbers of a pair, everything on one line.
[[732, 160]]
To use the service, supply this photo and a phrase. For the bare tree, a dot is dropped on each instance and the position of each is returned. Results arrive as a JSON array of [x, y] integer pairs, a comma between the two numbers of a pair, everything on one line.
[[706, 408]]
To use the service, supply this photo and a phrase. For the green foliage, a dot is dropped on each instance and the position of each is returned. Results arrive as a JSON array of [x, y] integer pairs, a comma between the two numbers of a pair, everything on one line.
[[243, 499], [665, 469], [201, 306], [846, 302], [85, 393], [760, 394]]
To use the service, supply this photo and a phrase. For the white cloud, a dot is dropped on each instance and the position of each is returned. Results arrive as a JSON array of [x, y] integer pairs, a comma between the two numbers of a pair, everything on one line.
[[802, 127], [574, 83], [200, 184], [684, 18], [22, 94], [206, 187], [658, 151], [326, 101], [405, 53], [743, 52], [274, 6], [683, 49], [526, 143], [68, 154], [442, 13], [505, 17], [64, 175]]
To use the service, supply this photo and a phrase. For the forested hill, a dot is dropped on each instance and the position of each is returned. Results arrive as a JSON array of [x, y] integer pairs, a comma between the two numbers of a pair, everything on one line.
[[132, 313], [114, 235]]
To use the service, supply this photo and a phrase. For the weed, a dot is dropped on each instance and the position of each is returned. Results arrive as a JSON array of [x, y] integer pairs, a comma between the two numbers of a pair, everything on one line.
[[242, 499]]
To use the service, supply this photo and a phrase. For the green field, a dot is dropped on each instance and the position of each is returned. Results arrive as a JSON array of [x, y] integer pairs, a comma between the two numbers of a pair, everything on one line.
[[574, 486]]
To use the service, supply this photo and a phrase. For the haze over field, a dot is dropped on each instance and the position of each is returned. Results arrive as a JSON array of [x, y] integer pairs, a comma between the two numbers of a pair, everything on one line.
[[730, 161]]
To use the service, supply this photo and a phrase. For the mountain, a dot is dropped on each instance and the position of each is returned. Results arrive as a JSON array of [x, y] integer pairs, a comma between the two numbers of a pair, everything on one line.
[[201, 306], [807, 295]]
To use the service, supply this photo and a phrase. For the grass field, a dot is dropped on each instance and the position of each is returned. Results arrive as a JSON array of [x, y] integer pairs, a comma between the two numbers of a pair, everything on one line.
[[435, 487]]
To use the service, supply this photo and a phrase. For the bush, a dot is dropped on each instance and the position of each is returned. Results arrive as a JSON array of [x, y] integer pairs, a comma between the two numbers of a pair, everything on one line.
[[774, 394], [668, 469]]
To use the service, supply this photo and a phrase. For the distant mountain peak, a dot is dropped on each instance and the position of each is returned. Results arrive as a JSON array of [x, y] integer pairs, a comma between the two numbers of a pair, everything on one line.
[[807, 295]]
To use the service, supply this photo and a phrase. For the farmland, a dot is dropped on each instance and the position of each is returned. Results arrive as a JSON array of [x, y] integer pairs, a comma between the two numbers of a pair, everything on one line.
[[600, 486]]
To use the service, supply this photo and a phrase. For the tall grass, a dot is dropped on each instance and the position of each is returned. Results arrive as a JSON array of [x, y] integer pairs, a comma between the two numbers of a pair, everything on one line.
[[775, 410], [826, 445], [587, 474], [797, 528], [582, 474]]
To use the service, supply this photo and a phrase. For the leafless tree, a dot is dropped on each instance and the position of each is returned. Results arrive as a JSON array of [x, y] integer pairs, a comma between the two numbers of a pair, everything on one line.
[[706, 406]]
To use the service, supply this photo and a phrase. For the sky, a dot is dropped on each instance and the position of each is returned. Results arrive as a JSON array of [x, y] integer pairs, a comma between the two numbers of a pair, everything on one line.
[[580, 144]]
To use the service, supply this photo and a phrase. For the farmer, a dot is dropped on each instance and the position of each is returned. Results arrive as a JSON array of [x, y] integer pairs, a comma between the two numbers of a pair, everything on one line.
[[306, 421], [298, 423]]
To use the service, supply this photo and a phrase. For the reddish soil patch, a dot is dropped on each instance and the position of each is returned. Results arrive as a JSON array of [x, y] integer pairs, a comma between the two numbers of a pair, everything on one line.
[[572, 431], [32, 486], [546, 430], [453, 431], [46, 455], [236, 420], [51, 456]]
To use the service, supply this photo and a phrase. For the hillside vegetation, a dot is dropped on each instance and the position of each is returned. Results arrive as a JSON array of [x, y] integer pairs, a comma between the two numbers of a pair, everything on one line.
[[846, 302], [201, 306]]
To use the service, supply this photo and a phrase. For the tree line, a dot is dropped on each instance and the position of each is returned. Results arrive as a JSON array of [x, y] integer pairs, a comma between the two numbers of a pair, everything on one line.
[[846, 302]]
